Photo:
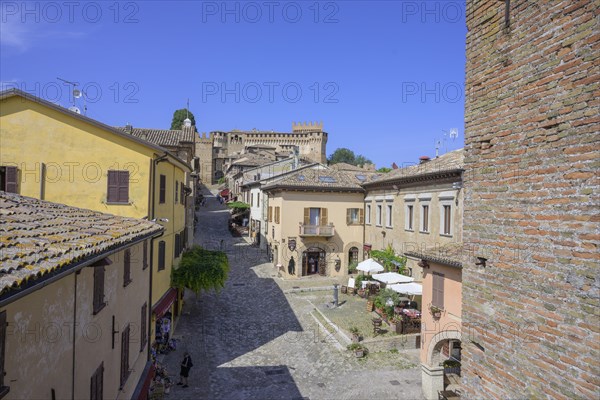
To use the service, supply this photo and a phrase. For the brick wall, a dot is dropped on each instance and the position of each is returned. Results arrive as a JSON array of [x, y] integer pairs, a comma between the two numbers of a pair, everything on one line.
[[531, 316]]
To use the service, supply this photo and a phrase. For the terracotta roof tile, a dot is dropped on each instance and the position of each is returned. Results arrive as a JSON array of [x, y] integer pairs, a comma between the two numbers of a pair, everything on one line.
[[38, 237], [321, 177], [162, 137], [449, 254]]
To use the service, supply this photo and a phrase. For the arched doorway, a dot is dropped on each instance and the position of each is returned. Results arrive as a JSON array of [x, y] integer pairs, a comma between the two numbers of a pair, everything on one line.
[[353, 256], [313, 261]]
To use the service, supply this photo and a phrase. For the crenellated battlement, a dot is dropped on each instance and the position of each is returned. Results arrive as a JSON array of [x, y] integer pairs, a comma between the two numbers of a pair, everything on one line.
[[307, 127]]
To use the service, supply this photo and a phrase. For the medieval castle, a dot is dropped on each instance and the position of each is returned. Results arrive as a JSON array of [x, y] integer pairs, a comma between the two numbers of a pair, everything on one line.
[[218, 148]]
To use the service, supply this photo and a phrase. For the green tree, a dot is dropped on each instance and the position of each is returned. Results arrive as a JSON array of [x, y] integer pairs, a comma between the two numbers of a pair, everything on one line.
[[384, 170], [389, 259], [201, 269], [179, 116], [344, 155]]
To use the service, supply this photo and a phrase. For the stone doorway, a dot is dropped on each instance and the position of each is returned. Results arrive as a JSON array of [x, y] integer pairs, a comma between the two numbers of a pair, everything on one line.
[[313, 262]]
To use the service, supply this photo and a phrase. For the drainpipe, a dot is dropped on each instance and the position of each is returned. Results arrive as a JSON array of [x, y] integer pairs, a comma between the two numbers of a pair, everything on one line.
[[74, 332]]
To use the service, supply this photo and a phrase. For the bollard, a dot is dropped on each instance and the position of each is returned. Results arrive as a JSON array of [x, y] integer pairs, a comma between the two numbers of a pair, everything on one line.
[[335, 294]]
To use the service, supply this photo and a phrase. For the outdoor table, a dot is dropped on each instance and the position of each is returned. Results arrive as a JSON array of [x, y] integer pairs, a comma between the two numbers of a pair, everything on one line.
[[448, 395]]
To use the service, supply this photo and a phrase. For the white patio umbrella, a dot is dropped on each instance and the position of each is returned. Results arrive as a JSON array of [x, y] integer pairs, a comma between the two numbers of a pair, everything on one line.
[[392, 277], [412, 288], [369, 266]]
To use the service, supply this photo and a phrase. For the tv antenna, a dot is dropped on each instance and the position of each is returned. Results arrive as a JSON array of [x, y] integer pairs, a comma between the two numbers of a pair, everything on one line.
[[76, 94]]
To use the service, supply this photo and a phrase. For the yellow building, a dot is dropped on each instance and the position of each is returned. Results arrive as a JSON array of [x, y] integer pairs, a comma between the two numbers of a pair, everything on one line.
[[315, 221], [74, 287], [51, 153]]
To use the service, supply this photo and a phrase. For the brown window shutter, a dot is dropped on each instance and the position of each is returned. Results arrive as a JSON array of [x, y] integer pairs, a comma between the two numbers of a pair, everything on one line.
[[123, 186], [2, 345], [361, 216], [307, 216], [181, 196], [127, 267], [145, 255], [176, 192], [348, 216], [270, 213], [161, 255], [278, 214], [11, 184], [163, 189], [143, 327], [324, 220], [112, 195]]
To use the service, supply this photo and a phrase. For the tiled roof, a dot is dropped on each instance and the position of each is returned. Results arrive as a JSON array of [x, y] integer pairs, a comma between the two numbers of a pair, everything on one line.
[[449, 254], [38, 237], [346, 167], [162, 137], [250, 159], [319, 177], [451, 161]]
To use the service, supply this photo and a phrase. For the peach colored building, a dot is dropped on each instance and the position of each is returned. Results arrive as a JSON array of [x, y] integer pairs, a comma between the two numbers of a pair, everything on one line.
[[441, 317]]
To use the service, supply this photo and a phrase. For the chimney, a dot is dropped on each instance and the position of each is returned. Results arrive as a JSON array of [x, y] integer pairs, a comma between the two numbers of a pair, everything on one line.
[[423, 159], [128, 128]]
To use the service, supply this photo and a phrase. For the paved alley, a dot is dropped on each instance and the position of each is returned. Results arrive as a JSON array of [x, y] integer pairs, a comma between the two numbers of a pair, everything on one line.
[[254, 341]]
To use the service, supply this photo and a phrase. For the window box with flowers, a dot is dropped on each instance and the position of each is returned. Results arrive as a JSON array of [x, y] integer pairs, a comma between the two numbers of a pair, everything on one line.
[[435, 311]]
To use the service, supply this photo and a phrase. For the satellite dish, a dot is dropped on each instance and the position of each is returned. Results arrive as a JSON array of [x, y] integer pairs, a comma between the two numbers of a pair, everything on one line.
[[75, 109], [76, 93]]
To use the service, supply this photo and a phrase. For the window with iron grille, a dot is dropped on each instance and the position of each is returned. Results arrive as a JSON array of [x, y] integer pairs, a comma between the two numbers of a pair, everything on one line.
[[124, 355], [97, 383]]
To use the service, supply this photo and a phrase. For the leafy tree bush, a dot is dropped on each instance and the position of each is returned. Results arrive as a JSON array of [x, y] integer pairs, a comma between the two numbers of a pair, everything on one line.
[[179, 116], [344, 155], [201, 270], [389, 259]]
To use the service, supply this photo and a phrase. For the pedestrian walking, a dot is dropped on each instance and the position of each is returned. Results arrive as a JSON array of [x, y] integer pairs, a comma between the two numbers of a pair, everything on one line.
[[186, 365]]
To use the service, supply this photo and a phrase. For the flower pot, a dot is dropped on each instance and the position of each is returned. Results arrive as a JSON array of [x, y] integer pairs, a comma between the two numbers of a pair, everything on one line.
[[437, 314], [355, 338], [359, 353], [369, 305]]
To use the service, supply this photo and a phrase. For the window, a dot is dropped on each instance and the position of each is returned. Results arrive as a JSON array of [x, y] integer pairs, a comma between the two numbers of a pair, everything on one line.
[[437, 298], [277, 214], [355, 216], [388, 215], [315, 216], [378, 215], [270, 214], [124, 355], [162, 193], [368, 212], [181, 196], [447, 212], [3, 389], [353, 256], [257, 199], [177, 245], [145, 255], [118, 187], [425, 218], [8, 179], [97, 384], [161, 255], [98, 289], [127, 267], [409, 217], [144, 327], [176, 192]]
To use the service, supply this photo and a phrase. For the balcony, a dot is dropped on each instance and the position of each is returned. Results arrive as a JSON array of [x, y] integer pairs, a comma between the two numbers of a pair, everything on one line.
[[326, 231]]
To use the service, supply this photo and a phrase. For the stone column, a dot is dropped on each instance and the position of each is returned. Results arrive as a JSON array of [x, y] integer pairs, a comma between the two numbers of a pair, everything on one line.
[[432, 380]]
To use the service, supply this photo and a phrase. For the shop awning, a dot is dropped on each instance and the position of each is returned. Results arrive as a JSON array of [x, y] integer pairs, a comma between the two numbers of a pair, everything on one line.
[[163, 305], [143, 386], [224, 192]]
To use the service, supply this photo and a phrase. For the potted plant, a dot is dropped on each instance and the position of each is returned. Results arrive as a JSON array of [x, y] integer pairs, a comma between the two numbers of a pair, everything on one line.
[[355, 334], [435, 311], [370, 304], [358, 349]]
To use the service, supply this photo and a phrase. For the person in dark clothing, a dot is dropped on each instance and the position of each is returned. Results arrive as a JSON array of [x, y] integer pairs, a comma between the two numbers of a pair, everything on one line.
[[186, 365]]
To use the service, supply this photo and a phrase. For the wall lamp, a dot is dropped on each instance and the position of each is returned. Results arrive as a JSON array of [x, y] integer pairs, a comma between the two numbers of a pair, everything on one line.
[[423, 264], [481, 261]]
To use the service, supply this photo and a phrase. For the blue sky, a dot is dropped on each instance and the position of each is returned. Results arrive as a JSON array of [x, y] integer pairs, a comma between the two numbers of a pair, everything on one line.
[[386, 78]]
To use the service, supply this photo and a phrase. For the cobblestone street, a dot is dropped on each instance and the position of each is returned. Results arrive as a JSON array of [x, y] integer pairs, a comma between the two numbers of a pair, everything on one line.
[[258, 340]]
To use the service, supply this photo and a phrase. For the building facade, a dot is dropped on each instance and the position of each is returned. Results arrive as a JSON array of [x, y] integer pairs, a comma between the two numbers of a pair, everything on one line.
[[314, 221], [51, 153], [74, 301], [416, 208], [530, 287]]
